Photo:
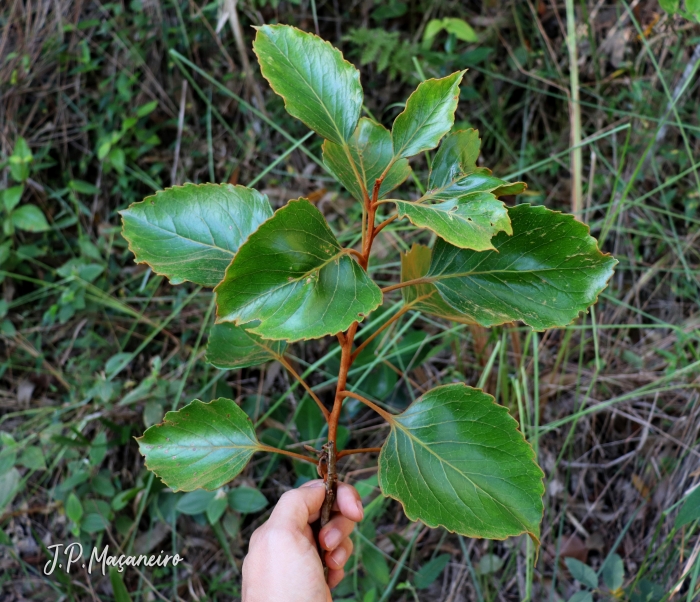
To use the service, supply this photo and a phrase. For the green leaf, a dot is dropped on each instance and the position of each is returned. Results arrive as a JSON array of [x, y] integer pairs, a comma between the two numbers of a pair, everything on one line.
[[121, 594], [428, 116], [318, 85], [83, 187], [670, 6], [581, 597], [456, 459], [454, 172], [425, 296], [582, 572], [29, 218], [430, 571], [5, 251], [20, 160], [545, 274], [11, 197], [33, 458], [216, 507], [9, 486], [375, 564], [372, 152], [74, 509], [191, 232], [434, 27], [293, 276], [246, 500], [195, 502], [613, 572], [146, 109], [468, 222], [460, 28], [690, 510], [94, 523], [455, 158], [231, 347], [202, 445], [488, 564]]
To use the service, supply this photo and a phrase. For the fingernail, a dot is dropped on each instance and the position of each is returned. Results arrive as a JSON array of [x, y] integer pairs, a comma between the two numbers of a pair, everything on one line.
[[333, 538], [360, 509], [339, 556], [312, 484]]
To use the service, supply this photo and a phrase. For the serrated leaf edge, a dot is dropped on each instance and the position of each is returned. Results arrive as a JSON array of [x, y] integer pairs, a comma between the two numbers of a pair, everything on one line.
[[531, 457]]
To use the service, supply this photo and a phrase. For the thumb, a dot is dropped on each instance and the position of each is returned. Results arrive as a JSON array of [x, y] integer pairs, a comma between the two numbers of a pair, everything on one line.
[[298, 508]]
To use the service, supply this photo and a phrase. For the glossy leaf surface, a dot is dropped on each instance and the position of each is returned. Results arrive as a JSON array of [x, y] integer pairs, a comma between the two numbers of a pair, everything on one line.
[[456, 459], [455, 161], [455, 158], [478, 181], [425, 296], [545, 274], [191, 232], [231, 347], [371, 151], [468, 222], [318, 85], [293, 276], [202, 445], [428, 116]]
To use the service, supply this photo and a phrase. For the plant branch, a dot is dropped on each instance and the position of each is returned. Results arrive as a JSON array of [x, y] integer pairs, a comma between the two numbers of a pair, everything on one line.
[[363, 450], [283, 360], [284, 452], [381, 329], [383, 413], [384, 224], [357, 254], [398, 285]]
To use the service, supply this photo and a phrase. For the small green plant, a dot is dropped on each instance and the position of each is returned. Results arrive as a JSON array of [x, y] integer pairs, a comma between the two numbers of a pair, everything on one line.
[[454, 457]]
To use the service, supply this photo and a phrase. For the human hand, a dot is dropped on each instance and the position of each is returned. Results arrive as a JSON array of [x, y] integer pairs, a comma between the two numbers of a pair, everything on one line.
[[283, 564]]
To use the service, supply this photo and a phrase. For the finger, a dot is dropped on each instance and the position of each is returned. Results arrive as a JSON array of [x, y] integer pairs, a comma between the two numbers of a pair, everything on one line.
[[349, 502], [335, 577], [338, 557], [299, 507], [337, 529]]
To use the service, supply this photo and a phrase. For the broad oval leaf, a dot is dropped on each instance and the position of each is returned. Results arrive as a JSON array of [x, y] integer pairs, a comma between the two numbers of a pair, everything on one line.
[[191, 232], [371, 152], [202, 445], [455, 158], [425, 296], [545, 274], [428, 116], [294, 277], [454, 172], [232, 347], [456, 459], [318, 85], [478, 181], [468, 222]]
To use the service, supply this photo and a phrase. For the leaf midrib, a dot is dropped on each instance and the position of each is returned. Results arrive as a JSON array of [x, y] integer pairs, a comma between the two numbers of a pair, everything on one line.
[[178, 235], [318, 98], [419, 127], [405, 430]]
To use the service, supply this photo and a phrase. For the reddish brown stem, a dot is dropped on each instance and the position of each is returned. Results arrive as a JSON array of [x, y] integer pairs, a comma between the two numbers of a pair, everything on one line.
[[383, 413], [398, 285], [362, 450], [284, 452], [346, 356], [381, 329], [282, 360]]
